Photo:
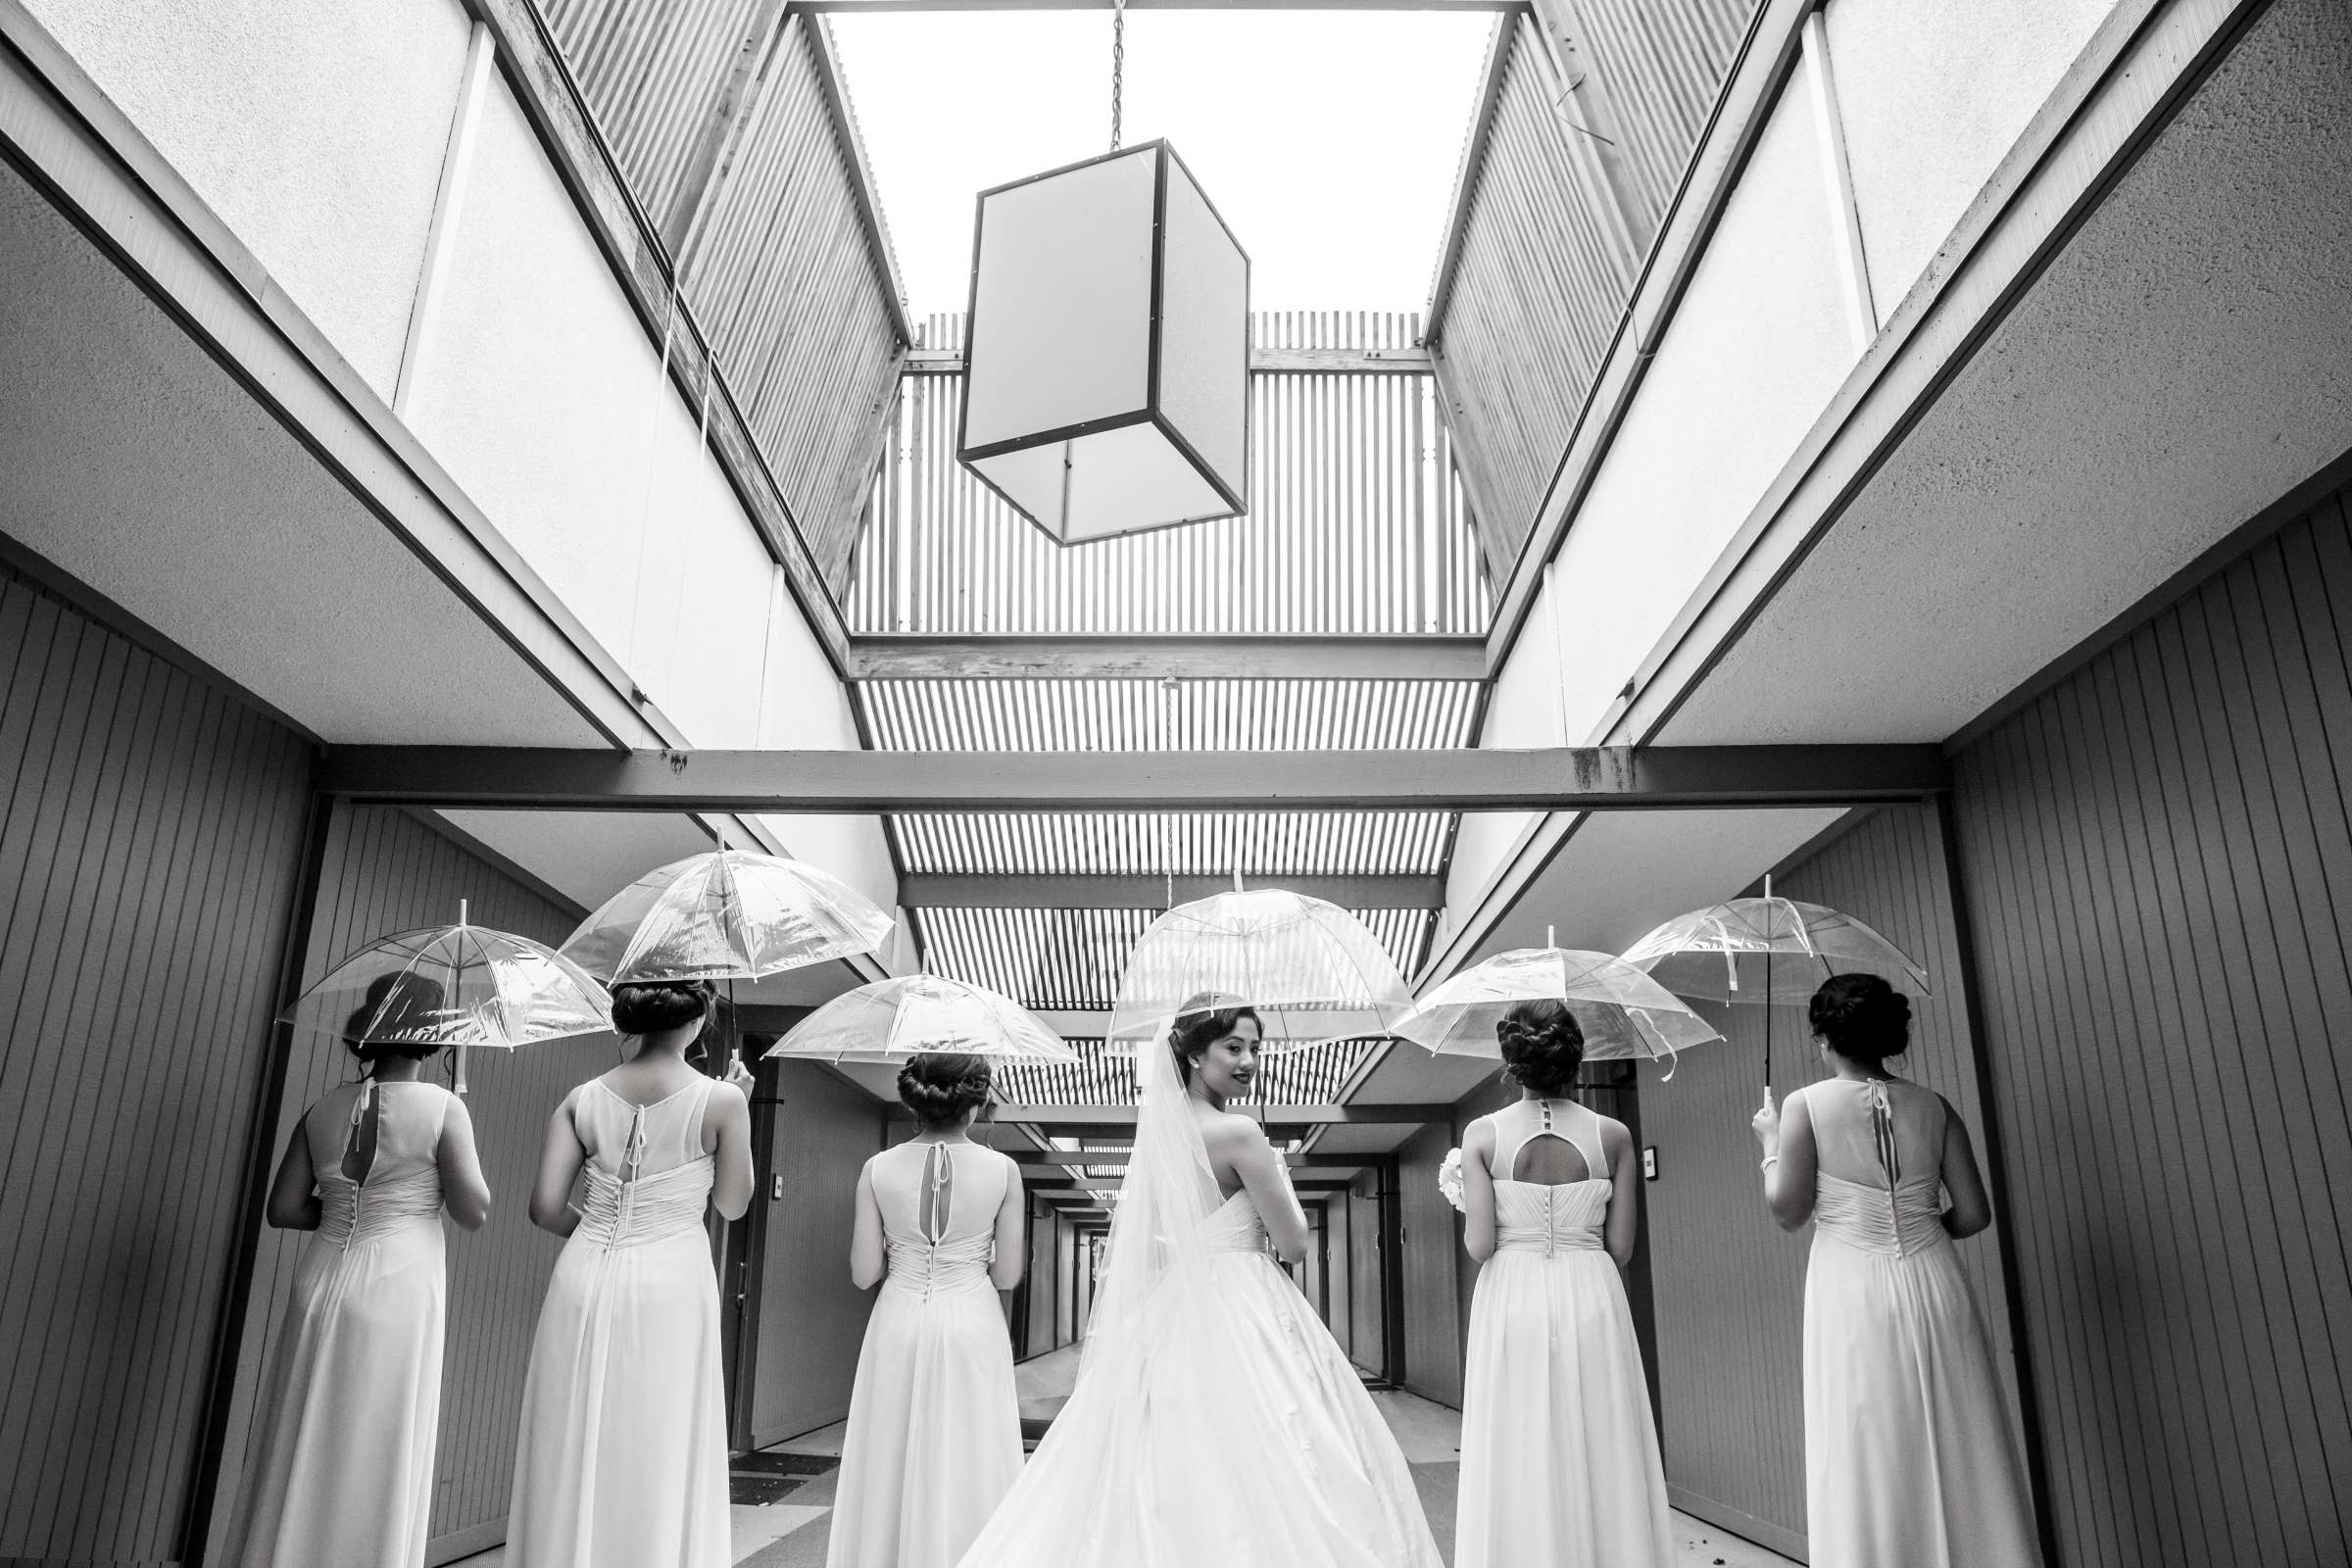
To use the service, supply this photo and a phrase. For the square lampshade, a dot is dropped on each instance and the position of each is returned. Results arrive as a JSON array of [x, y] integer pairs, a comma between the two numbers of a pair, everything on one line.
[[1106, 386]]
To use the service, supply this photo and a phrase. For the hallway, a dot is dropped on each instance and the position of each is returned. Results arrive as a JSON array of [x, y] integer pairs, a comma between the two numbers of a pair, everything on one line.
[[787, 1528]]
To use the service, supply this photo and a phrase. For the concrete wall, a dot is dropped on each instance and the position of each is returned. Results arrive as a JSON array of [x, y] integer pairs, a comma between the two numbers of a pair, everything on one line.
[[314, 128]]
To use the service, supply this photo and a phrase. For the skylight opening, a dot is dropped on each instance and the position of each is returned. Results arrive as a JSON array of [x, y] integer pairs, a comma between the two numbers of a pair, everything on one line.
[[1327, 140]]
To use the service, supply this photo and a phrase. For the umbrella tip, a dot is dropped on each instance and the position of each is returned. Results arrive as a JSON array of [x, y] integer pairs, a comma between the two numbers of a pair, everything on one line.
[[460, 912]]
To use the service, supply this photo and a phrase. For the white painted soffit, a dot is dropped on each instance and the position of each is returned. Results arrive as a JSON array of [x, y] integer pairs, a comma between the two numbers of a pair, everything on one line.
[[137, 466], [1955, 556], [2185, 362], [151, 455], [2182, 361]]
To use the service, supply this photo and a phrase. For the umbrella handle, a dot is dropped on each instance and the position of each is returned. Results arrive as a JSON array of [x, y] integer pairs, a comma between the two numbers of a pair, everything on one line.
[[460, 1087]]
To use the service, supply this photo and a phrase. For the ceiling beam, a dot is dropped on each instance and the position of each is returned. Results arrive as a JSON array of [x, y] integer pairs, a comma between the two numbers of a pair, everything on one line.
[[853, 782], [928, 890], [1401, 657], [1068, 1119], [1061, 1181], [839, 7], [1120, 1157], [1263, 360]]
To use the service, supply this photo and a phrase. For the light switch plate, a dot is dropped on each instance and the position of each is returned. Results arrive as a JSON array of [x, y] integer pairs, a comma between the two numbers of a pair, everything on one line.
[[1650, 1163]]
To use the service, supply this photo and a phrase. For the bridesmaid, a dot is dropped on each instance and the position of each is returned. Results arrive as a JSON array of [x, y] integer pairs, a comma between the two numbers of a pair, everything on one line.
[[1559, 1450], [934, 1441], [343, 1470], [623, 1460], [1908, 1456]]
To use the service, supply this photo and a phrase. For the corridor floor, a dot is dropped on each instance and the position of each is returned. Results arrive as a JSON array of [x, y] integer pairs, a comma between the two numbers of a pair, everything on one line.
[[791, 1533]]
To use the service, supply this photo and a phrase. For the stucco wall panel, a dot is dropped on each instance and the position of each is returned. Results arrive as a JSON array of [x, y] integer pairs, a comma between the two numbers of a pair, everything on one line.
[[1751, 358], [1932, 98], [542, 396], [314, 128]]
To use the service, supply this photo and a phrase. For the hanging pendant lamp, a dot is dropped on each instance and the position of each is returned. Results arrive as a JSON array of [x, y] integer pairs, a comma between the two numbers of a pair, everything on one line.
[[1106, 386]]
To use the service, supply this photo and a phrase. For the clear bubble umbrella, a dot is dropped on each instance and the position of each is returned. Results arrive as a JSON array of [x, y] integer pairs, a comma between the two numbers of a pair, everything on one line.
[[460, 986], [1312, 970], [1624, 1012], [889, 1020], [1768, 952], [726, 916]]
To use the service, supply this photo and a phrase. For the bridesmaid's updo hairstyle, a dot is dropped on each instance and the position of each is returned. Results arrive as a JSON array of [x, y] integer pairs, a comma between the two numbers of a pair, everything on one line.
[[420, 999], [1200, 1024], [940, 1086], [1861, 1017], [649, 1007], [1542, 1046]]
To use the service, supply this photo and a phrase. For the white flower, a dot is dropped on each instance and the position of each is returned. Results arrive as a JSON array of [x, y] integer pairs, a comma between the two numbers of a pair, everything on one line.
[[1449, 1177]]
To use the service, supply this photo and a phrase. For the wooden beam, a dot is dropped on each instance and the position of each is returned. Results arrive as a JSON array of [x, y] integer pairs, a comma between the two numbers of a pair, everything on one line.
[[1014, 891], [1262, 361], [913, 656], [854, 782]]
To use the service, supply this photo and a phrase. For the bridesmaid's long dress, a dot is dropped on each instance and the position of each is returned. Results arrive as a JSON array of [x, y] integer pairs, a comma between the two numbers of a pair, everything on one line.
[[623, 1460], [934, 1440], [1909, 1456], [343, 1470], [1559, 1452]]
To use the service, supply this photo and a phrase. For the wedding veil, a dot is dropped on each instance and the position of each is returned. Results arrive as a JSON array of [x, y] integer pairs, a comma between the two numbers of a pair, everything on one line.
[[1155, 1230]]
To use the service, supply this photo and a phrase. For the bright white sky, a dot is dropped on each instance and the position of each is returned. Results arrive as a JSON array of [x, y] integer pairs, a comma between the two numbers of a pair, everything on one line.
[[1327, 140]]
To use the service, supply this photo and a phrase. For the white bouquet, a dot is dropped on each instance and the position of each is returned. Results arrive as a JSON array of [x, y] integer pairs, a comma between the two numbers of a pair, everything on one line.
[[1449, 1177]]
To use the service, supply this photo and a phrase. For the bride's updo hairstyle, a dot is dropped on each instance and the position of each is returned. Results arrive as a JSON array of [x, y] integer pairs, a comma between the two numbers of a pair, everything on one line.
[[1542, 1046], [649, 1007], [940, 1086], [422, 998], [1200, 1024], [1861, 1017]]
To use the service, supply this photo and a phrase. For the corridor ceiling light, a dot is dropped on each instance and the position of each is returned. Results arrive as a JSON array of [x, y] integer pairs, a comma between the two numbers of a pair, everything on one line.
[[1107, 365]]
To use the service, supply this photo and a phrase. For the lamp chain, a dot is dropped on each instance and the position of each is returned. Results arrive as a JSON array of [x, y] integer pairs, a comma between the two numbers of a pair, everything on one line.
[[1118, 65]]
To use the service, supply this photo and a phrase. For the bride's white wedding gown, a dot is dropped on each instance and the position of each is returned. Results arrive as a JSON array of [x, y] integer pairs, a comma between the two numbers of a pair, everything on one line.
[[1216, 1422]]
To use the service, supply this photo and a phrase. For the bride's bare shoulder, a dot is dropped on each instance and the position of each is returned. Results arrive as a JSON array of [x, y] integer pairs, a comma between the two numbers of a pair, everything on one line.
[[1228, 1132]]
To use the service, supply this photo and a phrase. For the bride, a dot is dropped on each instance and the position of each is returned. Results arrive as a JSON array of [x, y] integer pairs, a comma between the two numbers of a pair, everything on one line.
[[1215, 1420]]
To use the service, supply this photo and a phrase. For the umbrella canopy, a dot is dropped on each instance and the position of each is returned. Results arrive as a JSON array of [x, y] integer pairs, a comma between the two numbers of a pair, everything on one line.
[[1622, 1012], [1767, 949], [1311, 969], [891, 1019], [726, 916], [455, 985]]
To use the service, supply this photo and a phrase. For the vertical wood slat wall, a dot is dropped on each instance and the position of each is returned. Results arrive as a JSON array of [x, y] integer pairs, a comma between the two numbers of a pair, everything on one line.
[[386, 871], [2155, 853], [151, 840]]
